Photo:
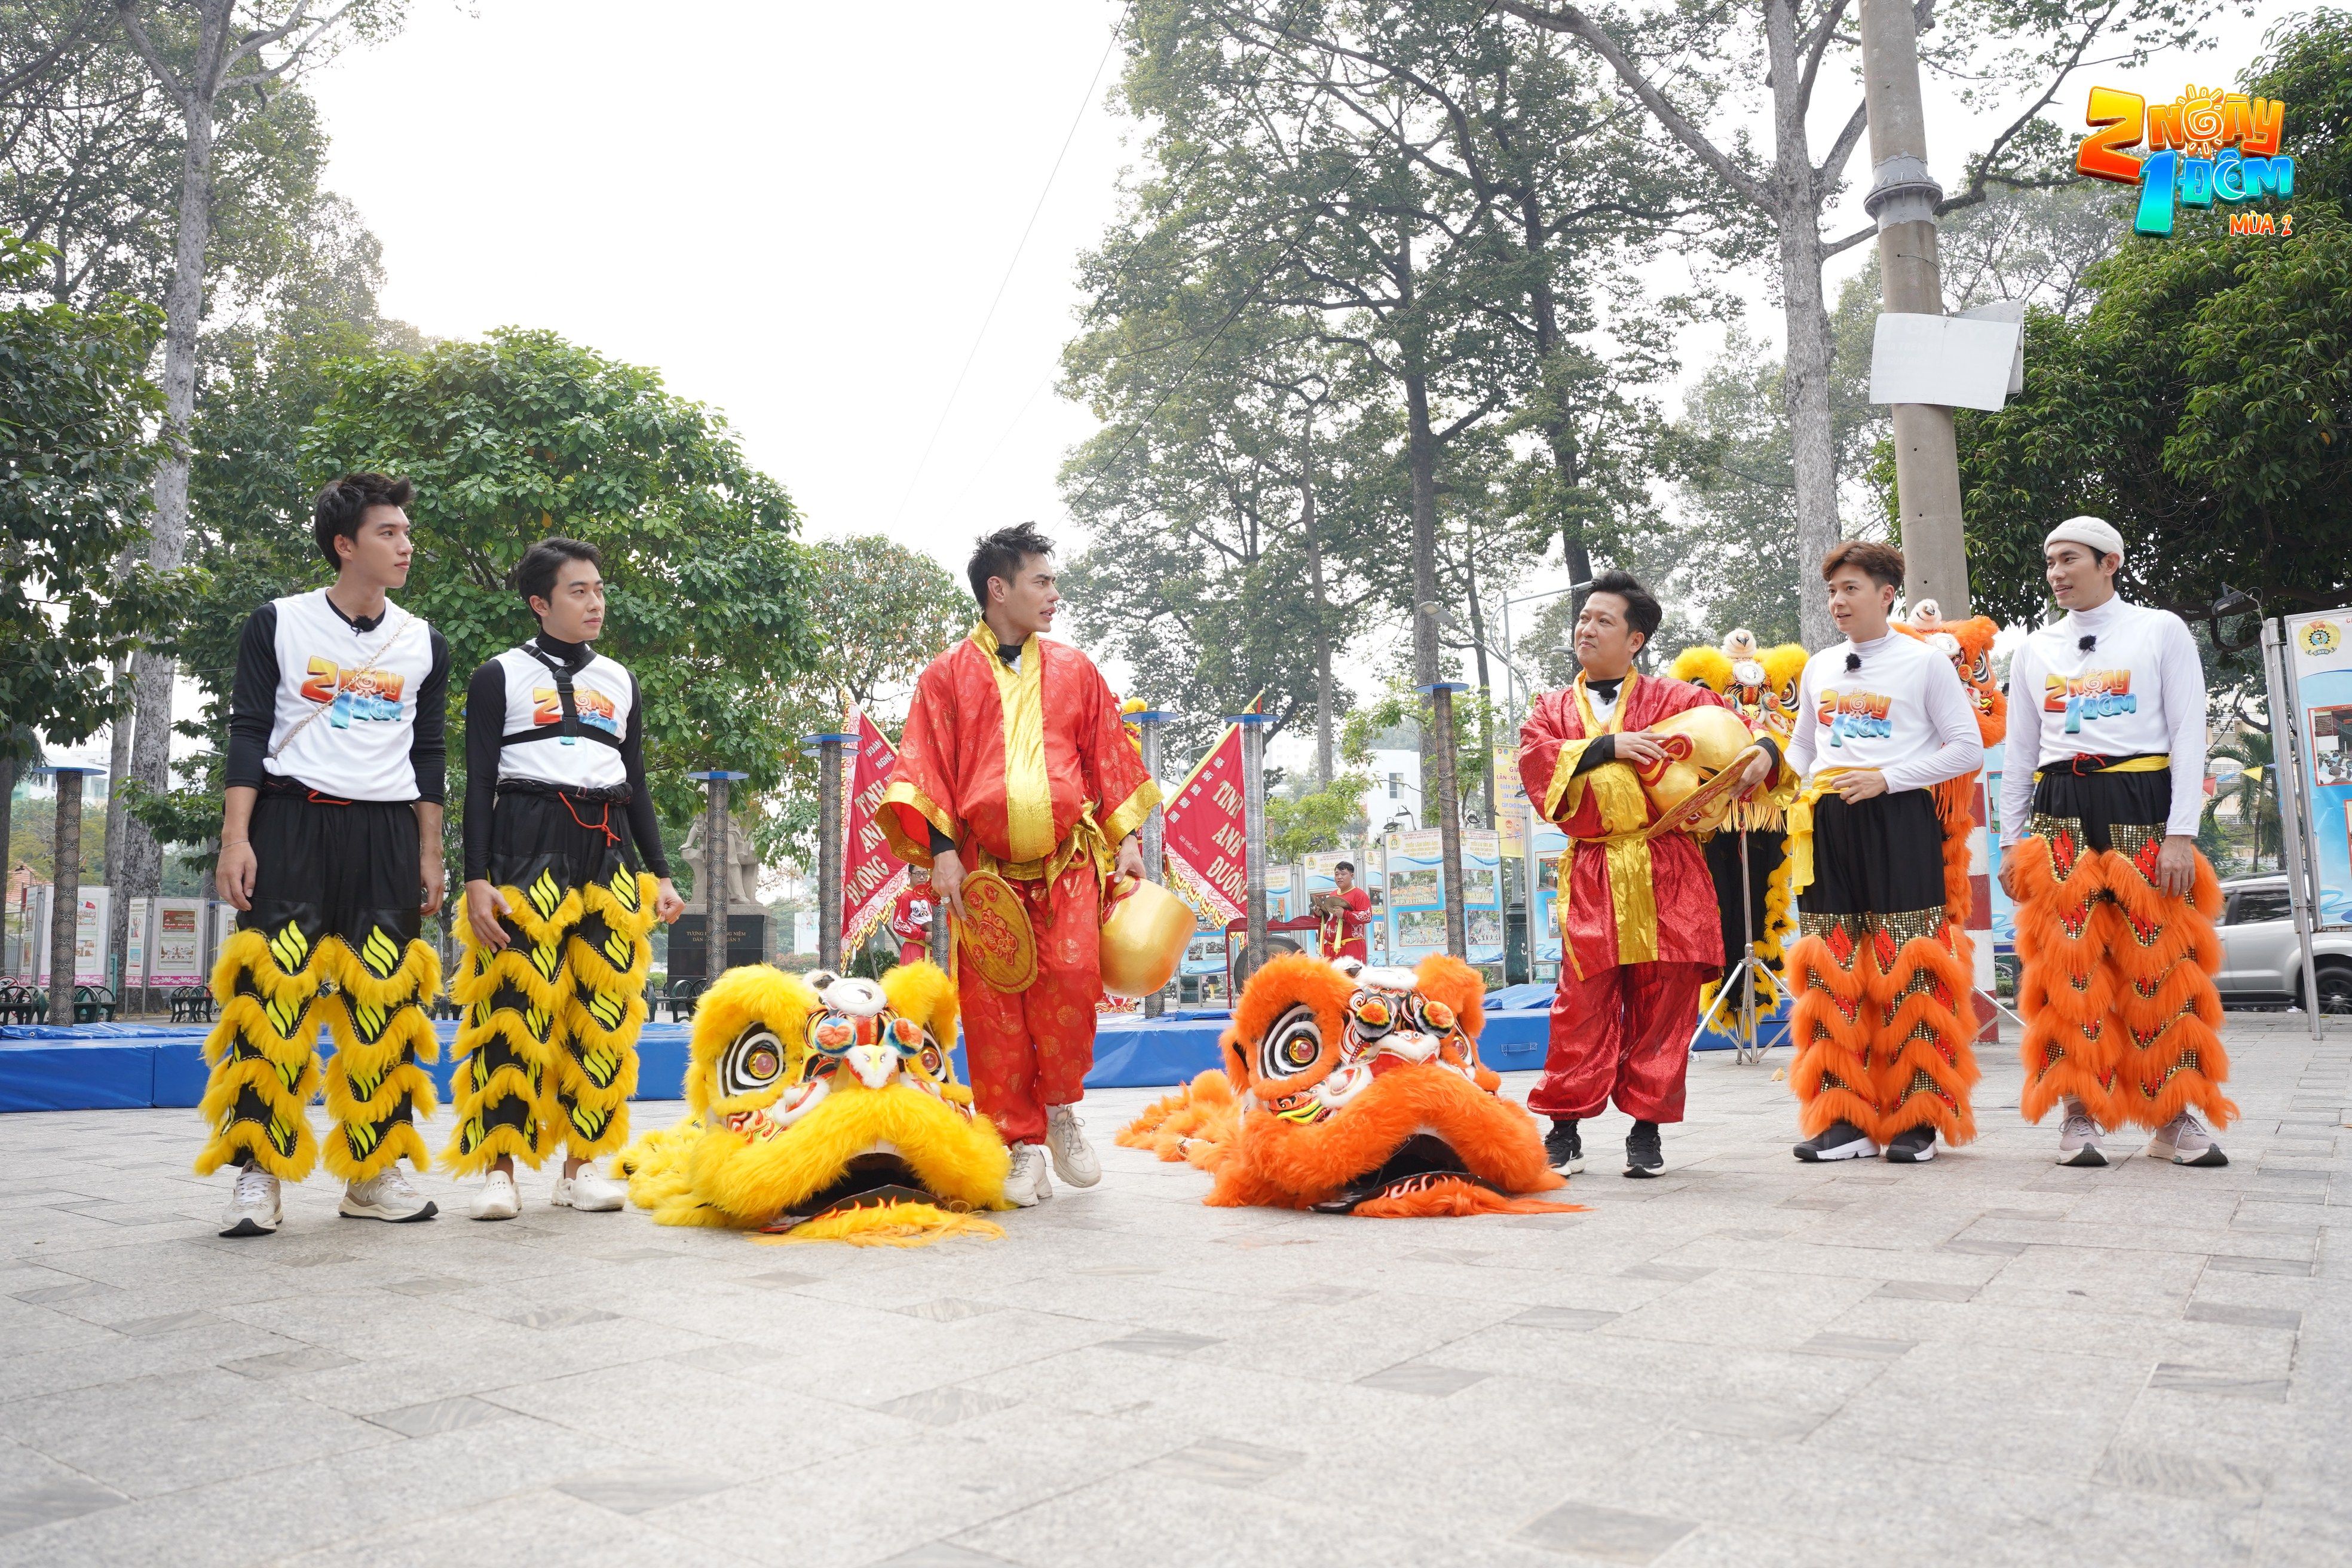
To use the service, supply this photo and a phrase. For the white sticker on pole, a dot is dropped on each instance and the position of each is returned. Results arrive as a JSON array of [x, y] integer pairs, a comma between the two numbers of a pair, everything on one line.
[[1957, 362]]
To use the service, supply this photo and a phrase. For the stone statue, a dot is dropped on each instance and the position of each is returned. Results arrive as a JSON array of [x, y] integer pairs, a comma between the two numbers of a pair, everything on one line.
[[741, 863]]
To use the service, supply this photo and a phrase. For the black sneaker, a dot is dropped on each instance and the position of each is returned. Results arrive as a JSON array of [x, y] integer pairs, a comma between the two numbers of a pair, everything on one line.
[[1643, 1155], [1563, 1149], [1838, 1140], [1912, 1146]]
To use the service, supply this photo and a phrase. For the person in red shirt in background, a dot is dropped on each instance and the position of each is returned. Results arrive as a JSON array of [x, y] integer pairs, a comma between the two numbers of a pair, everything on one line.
[[910, 917], [1342, 934]]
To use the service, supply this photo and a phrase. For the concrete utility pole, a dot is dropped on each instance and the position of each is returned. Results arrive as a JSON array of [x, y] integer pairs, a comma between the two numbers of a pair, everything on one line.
[[1154, 826], [65, 894], [832, 861], [715, 857], [1902, 199], [1253, 727]]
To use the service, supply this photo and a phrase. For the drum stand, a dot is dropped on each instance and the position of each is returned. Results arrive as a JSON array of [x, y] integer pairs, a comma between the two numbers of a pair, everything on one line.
[[1750, 1047]]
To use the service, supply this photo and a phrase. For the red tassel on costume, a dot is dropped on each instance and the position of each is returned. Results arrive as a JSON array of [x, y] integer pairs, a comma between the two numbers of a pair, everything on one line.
[[2066, 994], [1831, 1023]]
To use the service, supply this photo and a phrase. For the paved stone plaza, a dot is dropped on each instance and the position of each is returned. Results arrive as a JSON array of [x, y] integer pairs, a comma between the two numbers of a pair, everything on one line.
[[1986, 1359]]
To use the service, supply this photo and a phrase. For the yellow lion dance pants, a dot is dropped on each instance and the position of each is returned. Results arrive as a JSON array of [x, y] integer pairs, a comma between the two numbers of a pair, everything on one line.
[[546, 1045], [331, 942]]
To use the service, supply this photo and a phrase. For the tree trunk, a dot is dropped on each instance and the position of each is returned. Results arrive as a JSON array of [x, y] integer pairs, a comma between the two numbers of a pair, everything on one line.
[[65, 897], [1324, 768], [9, 768], [1544, 310], [153, 670], [1421, 457], [118, 767], [1805, 384], [1485, 689]]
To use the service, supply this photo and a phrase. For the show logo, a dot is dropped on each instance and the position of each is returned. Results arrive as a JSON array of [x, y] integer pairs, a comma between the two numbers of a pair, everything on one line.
[[2208, 145], [1863, 715]]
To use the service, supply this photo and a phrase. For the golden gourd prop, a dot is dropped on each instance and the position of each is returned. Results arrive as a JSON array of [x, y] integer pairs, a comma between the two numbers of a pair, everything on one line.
[[1145, 928], [1707, 750]]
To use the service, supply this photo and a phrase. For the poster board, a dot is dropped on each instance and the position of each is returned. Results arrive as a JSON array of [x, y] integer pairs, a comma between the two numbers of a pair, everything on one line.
[[2319, 666], [175, 949]]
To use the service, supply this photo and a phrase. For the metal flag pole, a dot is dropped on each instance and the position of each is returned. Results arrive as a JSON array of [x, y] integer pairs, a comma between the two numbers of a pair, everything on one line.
[[2287, 767], [714, 867], [1253, 731], [1449, 812], [1744, 975], [1154, 826]]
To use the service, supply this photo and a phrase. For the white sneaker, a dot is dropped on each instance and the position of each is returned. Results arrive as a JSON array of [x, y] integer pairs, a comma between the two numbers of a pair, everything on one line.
[[2184, 1141], [589, 1190], [388, 1194], [1066, 1140], [1028, 1181], [253, 1205], [2078, 1140], [497, 1199]]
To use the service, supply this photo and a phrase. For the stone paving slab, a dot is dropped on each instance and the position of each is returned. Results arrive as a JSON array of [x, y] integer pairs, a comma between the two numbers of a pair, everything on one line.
[[1750, 1360]]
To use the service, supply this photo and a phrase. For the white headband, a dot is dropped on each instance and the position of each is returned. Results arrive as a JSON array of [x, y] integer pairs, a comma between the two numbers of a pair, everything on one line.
[[2096, 533]]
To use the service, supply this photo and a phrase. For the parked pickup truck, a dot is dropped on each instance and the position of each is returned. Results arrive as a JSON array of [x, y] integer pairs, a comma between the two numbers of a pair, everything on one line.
[[2262, 964]]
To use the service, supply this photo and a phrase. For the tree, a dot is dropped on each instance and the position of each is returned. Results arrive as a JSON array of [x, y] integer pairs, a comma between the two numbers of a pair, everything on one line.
[[889, 611], [522, 434], [2203, 404], [1717, 63], [2253, 792], [75, 457], [201, 53]]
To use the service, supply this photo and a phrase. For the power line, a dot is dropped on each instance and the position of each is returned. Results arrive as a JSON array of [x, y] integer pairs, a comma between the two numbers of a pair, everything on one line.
[[948, 407]]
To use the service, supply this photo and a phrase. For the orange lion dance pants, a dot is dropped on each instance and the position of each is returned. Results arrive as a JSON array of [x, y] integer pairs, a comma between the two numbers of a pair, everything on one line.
[[1882, 975], [2116, 988], [1879, 1024], [1028, 1049]]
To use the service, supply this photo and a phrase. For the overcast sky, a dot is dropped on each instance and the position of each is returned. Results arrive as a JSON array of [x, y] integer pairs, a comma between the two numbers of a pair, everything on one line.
[[797, 214], [801, 215]]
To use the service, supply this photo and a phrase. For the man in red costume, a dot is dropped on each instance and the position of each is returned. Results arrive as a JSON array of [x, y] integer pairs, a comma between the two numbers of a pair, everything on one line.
[[1015, 761], [1640, 930], [910, 917], [1342, 934]]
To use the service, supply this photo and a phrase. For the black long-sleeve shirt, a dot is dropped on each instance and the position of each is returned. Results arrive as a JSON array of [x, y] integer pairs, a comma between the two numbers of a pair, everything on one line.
[[486, 720], [253, 705]]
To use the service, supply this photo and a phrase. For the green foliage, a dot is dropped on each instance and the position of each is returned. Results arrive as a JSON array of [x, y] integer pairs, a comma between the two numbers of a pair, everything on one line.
[[2203, 404], [523, 434], [1401, 708], [2254, 793], [1307, 820], [889, 611], [75, 457]]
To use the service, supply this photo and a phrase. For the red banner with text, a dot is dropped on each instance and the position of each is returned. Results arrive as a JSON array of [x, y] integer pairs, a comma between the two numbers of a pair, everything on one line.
[[871, 875], [1206, 844]]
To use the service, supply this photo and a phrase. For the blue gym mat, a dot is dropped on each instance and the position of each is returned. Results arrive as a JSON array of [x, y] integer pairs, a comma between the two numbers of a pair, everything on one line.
[[115, 1066]]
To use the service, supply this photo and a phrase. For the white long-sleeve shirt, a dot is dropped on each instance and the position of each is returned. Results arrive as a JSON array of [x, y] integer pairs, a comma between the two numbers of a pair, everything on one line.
[[2138, 690], [1903, 711]]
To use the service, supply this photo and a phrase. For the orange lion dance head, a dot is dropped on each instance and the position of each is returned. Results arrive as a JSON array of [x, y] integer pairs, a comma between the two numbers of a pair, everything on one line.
[[1349, 1090], [1968, 645]]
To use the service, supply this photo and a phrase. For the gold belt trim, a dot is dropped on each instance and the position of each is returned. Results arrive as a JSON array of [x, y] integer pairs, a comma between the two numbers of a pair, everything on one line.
[[2152, 765]]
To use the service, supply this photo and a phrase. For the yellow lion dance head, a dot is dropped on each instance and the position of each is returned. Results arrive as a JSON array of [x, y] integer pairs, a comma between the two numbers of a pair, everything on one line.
[[824, 1111]]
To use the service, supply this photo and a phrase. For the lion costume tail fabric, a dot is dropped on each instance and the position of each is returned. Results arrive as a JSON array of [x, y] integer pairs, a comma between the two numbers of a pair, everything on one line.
[[1198, 1124]]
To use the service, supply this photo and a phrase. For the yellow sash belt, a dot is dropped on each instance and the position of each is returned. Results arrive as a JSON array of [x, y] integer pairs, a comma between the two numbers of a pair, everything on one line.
[[1800, 827]]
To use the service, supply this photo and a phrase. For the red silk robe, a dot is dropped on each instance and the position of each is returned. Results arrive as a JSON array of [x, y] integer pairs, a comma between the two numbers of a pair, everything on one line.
[[1343, 935], [1011, 762], [1688, 927], [1030, 771]]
